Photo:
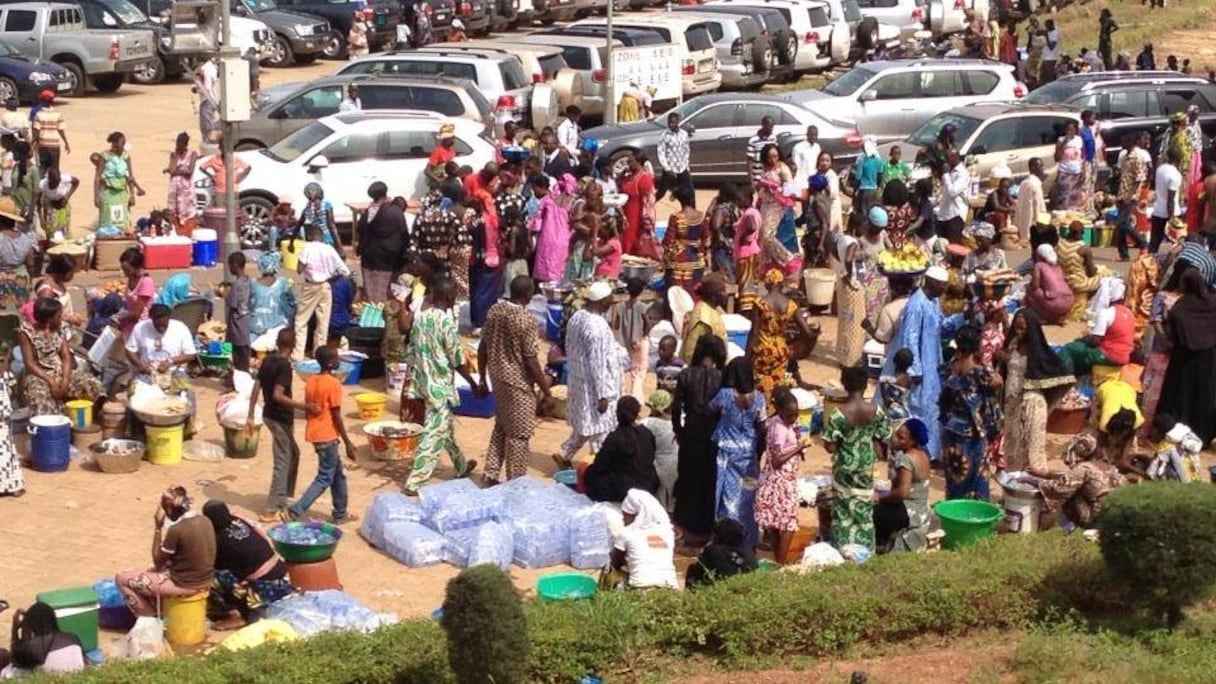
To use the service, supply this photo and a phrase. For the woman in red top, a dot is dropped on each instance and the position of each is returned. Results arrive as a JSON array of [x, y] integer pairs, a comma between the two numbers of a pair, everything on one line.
[[638, 186]]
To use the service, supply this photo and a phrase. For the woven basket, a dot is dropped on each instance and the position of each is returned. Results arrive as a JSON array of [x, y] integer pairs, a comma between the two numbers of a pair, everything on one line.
[[117, 464]]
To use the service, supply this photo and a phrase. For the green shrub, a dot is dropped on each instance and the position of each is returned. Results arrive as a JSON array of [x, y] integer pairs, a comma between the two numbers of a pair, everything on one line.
[[1159, 538], [486, 629]]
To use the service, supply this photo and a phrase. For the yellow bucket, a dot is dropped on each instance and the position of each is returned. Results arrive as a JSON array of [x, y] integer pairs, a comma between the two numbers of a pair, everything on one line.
[[186, 619], [165, 444], [80, 412], [371, 404], [290, 262]]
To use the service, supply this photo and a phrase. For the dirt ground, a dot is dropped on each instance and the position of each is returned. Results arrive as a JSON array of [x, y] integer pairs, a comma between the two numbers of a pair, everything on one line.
[[77, 527]]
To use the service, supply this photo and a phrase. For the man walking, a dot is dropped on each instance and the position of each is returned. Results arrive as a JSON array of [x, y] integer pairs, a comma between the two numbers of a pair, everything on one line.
[[953, 205], [507, 357], [595, 366], [1133, 175], [1168, 190], [673, 153], [50, 132], [1031, 201], [756, 144], [319, 264]]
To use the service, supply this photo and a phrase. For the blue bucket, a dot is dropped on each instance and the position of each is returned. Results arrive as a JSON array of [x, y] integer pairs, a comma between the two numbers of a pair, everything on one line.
[[355, 361], [51, 445], [206, 250], [553, 320]]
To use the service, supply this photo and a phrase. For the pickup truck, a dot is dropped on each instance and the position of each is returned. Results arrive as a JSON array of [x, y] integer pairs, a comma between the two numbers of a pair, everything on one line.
[[56, 32]]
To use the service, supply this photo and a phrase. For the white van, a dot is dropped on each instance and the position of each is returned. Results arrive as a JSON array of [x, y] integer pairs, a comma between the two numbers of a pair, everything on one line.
[[698, 56]]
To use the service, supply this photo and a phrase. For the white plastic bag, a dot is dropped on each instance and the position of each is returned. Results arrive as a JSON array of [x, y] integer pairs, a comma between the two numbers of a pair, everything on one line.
[[821, 555], [145, 640], [102, 345]]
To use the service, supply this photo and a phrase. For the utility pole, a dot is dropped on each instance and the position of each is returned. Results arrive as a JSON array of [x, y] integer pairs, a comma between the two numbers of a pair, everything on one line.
[[610, 76], [232, 242]]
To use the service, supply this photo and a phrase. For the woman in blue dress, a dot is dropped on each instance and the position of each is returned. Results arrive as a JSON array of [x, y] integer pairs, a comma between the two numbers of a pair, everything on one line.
[[970, 415], [738, 435], [274, 304]]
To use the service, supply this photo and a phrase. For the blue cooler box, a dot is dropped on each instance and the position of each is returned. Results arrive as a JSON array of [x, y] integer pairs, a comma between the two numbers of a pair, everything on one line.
[[471, 406]]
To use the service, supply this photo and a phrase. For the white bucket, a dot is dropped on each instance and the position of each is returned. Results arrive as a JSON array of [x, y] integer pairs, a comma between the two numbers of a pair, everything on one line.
[[394, 378], [820, 286], [1022, 511]]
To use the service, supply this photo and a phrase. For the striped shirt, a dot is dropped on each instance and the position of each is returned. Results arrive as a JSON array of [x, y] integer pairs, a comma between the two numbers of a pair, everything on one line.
[[756, 145]]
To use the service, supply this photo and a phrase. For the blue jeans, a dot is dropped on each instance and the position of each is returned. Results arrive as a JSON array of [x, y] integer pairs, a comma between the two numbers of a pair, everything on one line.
[[329, 476]]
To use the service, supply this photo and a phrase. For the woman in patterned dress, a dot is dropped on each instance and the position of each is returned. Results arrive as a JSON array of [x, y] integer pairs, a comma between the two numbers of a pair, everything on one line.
[[1035, 378], [872, 242], [12, 483], [900, 212], [741, 408], [50, 379], [777, 498], [767, 345], [180, 201], [1159, 348], [686, 241], [901, 517], [970, 414], [723, 214], [271, 297], [850, 435]]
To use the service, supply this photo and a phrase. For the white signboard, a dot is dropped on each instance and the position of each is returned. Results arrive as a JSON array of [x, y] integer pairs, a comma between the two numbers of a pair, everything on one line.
[[647, 66]]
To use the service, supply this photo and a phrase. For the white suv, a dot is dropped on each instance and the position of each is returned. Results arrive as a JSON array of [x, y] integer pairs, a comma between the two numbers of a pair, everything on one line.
[[346, 153], [818, 44], [890, 100]]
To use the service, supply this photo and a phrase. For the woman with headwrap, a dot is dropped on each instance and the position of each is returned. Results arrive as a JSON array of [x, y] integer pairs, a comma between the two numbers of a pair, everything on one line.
[[625, 461], [1080, 489], [1178, 137], [1048, 294], [550, 223], [1077, 262], [644, 551], [1035, 379], [986, 256], [319, 212], [177, 289], [694, 424], [776, 208], [901, 517], [249, 575], [817, 219], [706, 316], [741, 410], [850, 301], [874, 241], [767, 344], [1112, 331], [39, 645], [272, 301], [1189, 390], [970, 415], [183, 556]]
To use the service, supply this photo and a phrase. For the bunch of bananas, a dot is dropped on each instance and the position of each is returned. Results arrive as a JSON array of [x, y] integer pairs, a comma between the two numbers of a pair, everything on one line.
[[907, 259]]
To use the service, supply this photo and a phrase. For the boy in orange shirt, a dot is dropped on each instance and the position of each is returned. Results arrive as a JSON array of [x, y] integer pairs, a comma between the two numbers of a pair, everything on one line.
[[322, 431]]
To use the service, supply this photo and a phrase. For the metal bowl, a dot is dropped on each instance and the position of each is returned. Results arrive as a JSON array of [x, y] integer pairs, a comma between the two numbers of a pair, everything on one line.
[[644, 273]]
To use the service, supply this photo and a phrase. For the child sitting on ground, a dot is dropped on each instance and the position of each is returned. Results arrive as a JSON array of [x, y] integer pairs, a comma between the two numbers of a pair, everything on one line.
[[893, 389], [666, 450], [667, 366], [1176, 450]]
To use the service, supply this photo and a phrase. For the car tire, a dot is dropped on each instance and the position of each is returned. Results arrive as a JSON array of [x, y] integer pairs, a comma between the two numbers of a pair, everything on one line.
[[153, 74], [788, 50], [306, 59], [8, 88], [867, 33], [77, 78], [256, 208], [335, 46], [762, 55], [108, 83], [280, 54]]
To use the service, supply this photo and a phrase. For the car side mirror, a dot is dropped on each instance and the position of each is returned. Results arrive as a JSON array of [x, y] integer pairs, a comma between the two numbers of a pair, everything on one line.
[[690, 129], [869, 96], [318, 162]]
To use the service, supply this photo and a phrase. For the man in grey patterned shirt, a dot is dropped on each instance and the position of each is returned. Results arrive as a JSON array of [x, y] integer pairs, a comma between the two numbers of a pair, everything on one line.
[[673, 156]]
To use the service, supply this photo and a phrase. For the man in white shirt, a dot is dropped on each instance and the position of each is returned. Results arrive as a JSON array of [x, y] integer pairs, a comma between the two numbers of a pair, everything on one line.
[[1031, 201], [350, 102], [673, 152], [159, 344], [319, 263], [1168, 187], [568, 131], [1051, 53], [805, 156], [952, 209]]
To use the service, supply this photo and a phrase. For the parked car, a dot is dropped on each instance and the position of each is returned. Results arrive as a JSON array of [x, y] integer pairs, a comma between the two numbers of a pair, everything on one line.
[[544, 63], [442, 13], [549, 12], [997, 134], [950, 16], [719, 126], [346, 153], [299, 38], [890, 99], [283, 109], [909, 16], [817, 42], [699, 65], [744, 55], [1132, 102], [23, 78], [56, 32], [340, 14], [629, 37], [775, 27], [476, 16], [500, 77], [585, 55]]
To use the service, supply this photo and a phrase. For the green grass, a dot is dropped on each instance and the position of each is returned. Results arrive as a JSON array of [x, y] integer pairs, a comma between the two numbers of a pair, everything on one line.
[[1078, 25]]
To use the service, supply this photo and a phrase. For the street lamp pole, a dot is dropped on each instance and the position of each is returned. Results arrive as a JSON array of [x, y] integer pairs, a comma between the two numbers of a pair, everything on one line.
[[609, 77], [232, 242]]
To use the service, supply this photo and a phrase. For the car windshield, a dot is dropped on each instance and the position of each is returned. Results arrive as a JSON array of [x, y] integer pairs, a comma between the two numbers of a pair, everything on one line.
[[125, 11], [260, 5], [290, 148], [1053, 93], [927, 134], [849, 82], [685, 111]]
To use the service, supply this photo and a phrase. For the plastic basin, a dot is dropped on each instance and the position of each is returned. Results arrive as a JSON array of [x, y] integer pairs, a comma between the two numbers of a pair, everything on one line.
[[966, 521], [308, 368], [566, 586], [567, 477], [371, 404], [305, 542]]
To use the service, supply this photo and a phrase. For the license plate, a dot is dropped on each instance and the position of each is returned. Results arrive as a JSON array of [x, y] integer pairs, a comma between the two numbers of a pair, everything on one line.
[[63, 86], [308, 45], [441, 17], [705, 67]]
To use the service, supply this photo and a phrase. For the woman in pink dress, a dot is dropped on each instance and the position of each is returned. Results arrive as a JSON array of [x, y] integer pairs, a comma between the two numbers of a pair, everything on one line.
[[777, 498], [638, 186], [1049, 294], [551, 223]]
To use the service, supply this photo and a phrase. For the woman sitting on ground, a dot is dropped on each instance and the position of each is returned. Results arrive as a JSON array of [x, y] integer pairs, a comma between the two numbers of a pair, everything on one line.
[[645, 550], [1112, 331], [249, 575], [50, 378], [1077, 262], [626, 460], [1090, 476], [1049, 294], [40, 646], [60, 269], [724, 557], [901, 518]]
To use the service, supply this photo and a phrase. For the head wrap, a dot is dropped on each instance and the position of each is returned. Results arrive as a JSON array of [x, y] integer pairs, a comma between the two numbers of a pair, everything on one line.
[[660, 400], [1110, 290], [985, 230], [175, 290], [312, 191], [1081, 448], [567, 184], [1044, 367], [1002, 172], [1047, 253], [878, 217], [773, 277], [217, 512], [649, 513], [270, 262], [869, 144], [918, 430], [818, 182], [1177, 117]]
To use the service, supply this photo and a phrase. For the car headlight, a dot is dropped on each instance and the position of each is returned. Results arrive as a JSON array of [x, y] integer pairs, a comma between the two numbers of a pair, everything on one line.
[[40, 77], [303, 29], [203, 184], [166, 41]]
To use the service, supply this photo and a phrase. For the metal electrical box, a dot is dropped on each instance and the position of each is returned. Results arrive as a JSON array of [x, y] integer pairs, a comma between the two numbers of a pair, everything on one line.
[[234, 89]]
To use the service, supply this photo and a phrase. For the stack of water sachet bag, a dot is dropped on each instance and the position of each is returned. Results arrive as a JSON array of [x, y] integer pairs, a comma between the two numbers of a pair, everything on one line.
[[527, 521]]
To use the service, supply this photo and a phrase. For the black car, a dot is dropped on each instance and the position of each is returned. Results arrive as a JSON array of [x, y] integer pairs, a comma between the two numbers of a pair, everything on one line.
[[341, 15], [23, 78], [475, 14]]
